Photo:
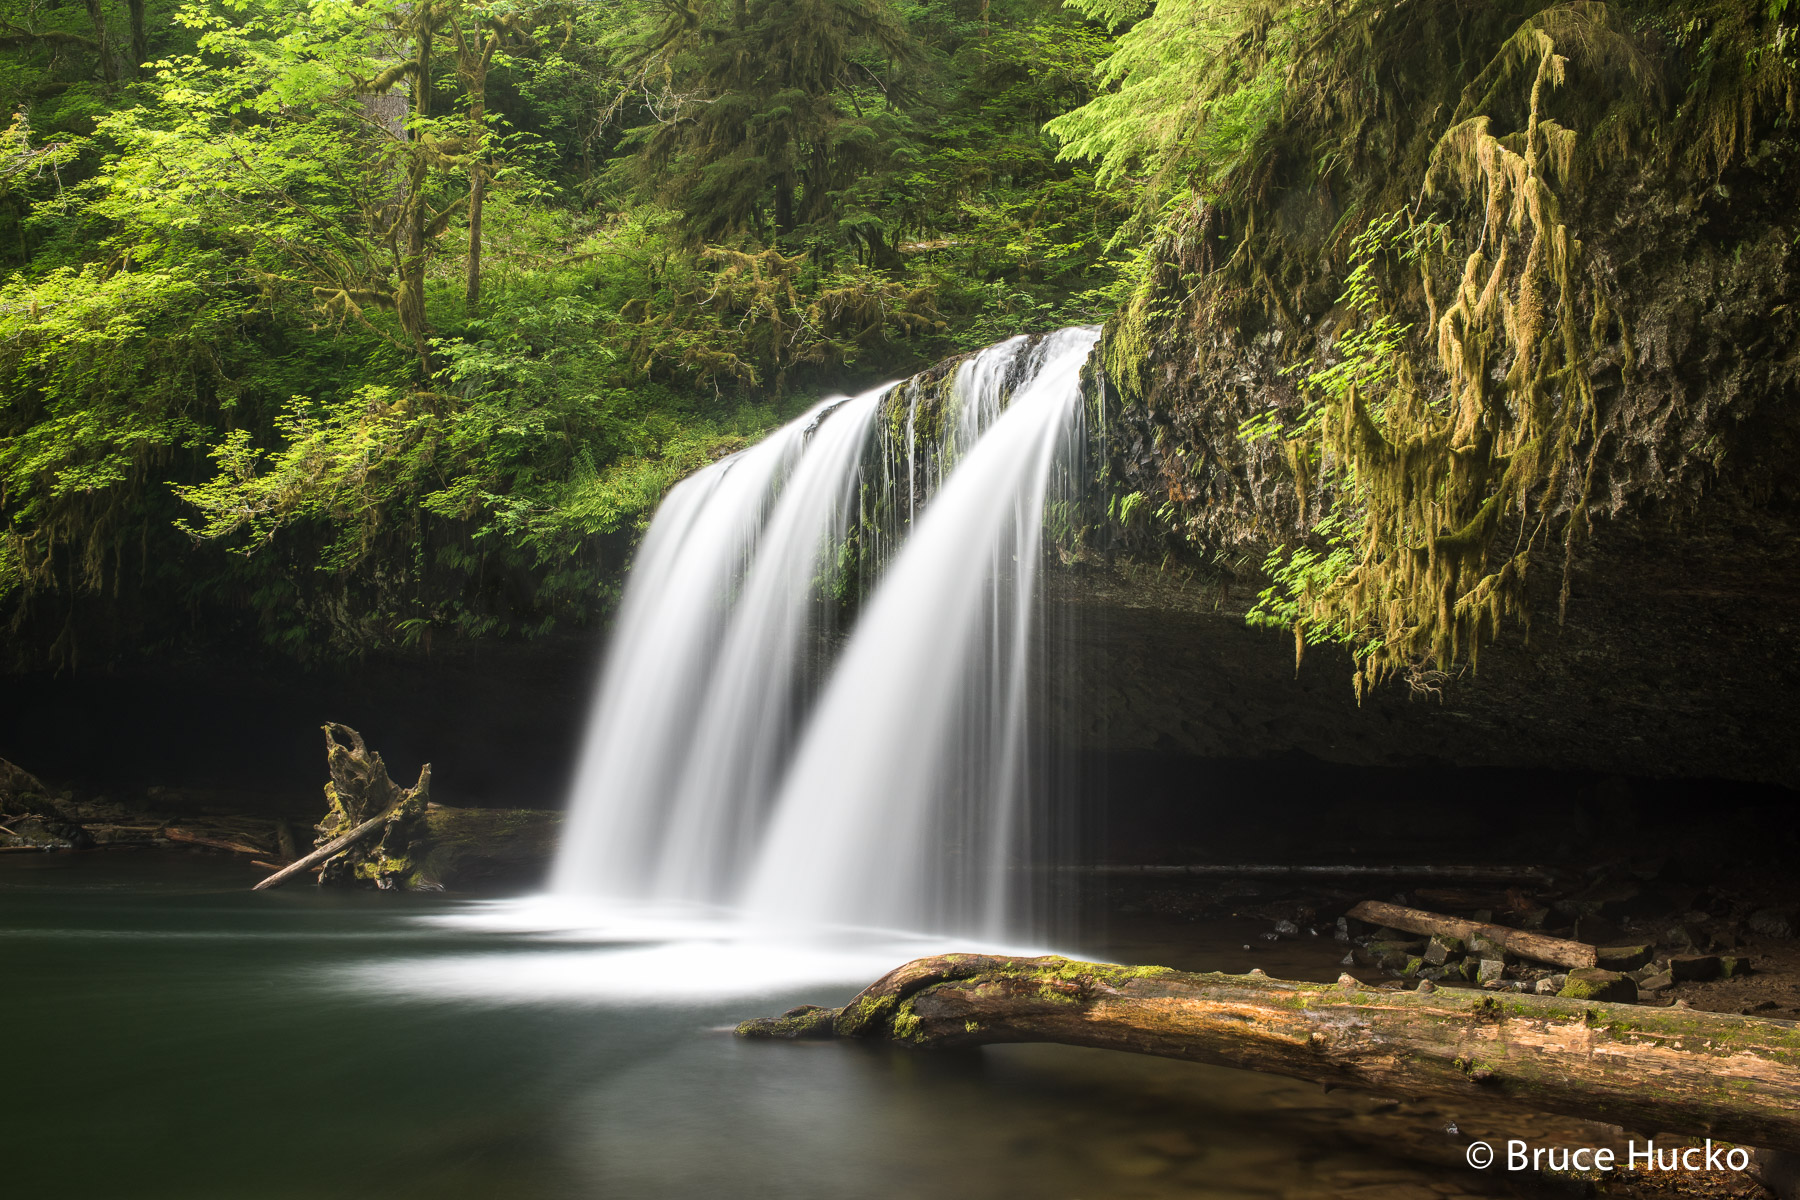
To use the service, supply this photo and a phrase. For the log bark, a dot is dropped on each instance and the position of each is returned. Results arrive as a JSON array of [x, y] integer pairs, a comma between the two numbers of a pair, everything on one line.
[[1650, 1070], [323, 852], [1535, 946]]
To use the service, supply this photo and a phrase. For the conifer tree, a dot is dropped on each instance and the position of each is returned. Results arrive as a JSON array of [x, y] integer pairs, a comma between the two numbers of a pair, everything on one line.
[[771, 125]]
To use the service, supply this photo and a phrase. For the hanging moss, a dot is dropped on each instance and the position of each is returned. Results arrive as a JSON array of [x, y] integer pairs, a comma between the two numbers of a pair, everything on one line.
[[1443, 498], [1438, 428]]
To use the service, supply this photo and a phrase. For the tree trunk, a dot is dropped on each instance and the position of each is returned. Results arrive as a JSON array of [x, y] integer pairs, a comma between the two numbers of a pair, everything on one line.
[[109, 70], [410, 297], [1651, 1070], [477, 194], [475, 71], [140, 40]]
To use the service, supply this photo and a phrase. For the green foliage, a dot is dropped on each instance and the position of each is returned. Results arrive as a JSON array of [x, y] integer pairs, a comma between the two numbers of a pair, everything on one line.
[[1195, 84], [348, 321]]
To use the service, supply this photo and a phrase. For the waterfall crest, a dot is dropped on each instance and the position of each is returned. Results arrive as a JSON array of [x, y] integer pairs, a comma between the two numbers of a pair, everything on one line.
[[899, 794]]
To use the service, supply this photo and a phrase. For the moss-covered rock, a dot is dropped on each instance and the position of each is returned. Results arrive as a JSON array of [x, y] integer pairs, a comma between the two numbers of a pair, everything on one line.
[[1594, 983]]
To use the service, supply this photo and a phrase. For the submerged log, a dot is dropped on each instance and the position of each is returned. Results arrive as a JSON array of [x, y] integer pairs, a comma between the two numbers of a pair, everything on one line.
[[1652, 1070], [1535, 946], [195, 839]]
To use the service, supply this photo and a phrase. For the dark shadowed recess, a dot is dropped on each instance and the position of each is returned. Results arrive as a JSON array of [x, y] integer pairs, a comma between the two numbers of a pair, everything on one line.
[[1169, 809], [500, 725]]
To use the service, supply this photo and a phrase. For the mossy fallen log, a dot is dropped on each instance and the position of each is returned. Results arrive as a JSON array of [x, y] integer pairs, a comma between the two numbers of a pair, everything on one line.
[[1650, 1070]]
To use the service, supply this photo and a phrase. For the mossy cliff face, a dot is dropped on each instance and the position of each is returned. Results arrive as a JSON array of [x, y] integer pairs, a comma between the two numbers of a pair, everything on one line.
[[1667, 510], [1704, 429]]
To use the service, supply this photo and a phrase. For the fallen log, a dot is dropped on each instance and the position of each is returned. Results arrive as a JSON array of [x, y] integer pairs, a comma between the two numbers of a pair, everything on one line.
[[1651, 1070], [1535, 946], [195, 839], [1501, 874], [323, 852]]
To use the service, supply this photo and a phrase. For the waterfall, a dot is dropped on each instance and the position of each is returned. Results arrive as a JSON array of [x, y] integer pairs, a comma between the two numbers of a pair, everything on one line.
[[899, 794], [694, 702]]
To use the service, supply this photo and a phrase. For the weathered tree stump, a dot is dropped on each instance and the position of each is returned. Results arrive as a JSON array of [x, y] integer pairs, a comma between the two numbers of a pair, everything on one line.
[[363, 802], [1652, 1070]]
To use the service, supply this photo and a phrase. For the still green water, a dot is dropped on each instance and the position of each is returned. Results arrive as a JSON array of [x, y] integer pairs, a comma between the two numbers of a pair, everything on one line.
[[169, 1034]]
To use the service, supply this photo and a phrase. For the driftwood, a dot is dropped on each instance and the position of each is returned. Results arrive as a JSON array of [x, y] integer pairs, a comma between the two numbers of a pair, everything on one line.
[[1650, 1070], [1535, 946], [341, 842]]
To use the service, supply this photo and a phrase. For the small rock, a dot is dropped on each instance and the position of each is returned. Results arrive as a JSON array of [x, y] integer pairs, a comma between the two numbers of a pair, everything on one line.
[[1491, 970], [1481, 947], [1771, 922], [1594, 983], [1441, 949], [1425, 985], [1546, 986], [1286, 928], [1530, 918], [1397, 945], [1661, 981]]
